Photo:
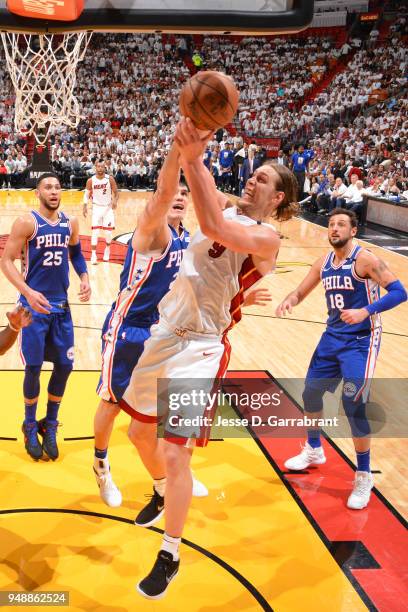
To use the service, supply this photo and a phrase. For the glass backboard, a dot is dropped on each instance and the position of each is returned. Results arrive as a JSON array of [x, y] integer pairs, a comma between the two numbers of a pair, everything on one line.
[[238, 16]]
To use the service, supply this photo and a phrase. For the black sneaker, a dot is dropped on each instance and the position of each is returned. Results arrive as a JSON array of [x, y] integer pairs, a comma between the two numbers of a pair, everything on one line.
[[48, 431], [31, 442], [152, 512], [154, 586]]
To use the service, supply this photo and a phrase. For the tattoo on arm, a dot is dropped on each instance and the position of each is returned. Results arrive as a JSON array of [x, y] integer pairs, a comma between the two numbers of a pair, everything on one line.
[[379, 268]]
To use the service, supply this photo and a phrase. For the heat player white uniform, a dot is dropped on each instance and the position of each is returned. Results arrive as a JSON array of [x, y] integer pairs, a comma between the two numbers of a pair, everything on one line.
[[102, 212], [189, 345]]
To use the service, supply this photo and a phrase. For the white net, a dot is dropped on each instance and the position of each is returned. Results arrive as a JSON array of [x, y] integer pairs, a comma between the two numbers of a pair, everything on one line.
[[42, 68]]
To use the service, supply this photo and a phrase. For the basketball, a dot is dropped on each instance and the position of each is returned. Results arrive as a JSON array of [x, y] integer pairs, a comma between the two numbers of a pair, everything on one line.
[[210, 99]]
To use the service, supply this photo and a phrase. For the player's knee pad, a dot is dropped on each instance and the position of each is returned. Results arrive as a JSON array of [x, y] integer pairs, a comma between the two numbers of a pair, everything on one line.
[[313, 398], [94, 237], [356, 414], [31, 385], [108, 236], [59, 378]]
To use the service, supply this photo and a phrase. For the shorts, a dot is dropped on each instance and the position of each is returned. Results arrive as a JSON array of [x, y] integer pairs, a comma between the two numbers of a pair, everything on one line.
[[103, 217], [48, 338], [187, 362], [348, 357], [122, 346]]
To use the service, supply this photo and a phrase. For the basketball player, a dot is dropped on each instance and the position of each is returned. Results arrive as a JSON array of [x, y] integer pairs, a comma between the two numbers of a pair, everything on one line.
[[102, 191], [45, 239], [190, 339], [17, 319], [348, 349], [152, 262]]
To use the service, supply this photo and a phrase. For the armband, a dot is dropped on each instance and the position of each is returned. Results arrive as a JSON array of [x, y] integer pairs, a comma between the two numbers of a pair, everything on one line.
[[396, 295], [86, 196], [77, 259]]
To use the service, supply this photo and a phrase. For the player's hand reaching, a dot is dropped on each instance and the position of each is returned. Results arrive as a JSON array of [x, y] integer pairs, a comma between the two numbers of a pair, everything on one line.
[[84, 291], [258, 297], [354, 315], [38, 301], [19, 317], [285, 307], [190, 142]]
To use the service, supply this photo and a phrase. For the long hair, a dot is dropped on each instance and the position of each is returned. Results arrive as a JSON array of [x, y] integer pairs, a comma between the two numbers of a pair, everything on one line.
[[288, 184]]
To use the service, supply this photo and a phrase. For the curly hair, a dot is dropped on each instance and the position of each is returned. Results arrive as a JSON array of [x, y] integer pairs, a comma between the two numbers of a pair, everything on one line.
[[288, 184]]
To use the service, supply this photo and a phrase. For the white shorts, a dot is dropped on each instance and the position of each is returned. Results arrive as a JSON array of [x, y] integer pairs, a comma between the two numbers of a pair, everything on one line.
[[184, 362], [103, 217]]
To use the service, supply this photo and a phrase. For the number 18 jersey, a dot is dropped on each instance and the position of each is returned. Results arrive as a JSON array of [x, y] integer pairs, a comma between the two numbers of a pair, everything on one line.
[[45, 259], [345, 290]]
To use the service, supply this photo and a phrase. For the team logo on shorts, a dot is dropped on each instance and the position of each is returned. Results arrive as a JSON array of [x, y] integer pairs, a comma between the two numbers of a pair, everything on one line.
[[349, 389], [70, 353]]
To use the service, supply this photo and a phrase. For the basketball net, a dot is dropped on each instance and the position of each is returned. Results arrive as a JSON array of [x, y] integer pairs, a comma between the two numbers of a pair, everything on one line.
[[42, 68]]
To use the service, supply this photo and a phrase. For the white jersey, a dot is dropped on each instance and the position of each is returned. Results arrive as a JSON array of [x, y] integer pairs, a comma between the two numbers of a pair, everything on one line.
[[207, 295], [101, 191]]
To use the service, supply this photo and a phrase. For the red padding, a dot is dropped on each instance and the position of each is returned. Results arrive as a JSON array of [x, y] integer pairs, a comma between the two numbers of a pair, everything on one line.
[[55, 10]]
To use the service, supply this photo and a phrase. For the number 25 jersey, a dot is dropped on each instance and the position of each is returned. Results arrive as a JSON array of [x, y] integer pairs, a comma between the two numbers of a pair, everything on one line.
[[45, 259]]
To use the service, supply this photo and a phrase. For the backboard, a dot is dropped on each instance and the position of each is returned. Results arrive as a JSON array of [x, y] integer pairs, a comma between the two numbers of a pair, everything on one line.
[[211, 16]]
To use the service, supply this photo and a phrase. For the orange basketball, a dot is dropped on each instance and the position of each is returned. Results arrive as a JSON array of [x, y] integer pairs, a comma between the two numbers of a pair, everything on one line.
[[210, 99]]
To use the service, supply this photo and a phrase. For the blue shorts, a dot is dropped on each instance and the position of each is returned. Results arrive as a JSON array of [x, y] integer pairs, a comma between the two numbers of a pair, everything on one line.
[[347, 357], [48, 338], [122, 346]]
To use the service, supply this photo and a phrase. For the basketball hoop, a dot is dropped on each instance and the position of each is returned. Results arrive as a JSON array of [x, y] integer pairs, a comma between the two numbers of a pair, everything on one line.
[[42, 68]]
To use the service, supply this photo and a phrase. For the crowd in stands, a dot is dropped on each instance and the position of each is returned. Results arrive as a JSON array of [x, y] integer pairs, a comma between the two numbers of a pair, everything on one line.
[[128, 87]]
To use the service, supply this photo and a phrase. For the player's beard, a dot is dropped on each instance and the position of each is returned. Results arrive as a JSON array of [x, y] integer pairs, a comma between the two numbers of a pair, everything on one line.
[[340, 243], [50, 206]]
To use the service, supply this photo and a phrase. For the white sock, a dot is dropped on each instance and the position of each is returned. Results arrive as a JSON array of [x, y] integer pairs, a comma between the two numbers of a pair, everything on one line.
[[160, 486], [101, 465], [171, 545]]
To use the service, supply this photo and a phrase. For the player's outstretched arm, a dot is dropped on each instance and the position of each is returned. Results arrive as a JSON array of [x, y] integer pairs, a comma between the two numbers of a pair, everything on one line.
[[152, 231], [78, 262], [21, 230], [18, 318], [307, 285], [259, 240], [369, 265]]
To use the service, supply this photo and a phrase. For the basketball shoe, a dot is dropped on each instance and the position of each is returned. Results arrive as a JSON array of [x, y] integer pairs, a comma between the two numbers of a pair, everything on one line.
[[48, 431], [31, 442], [108, 491], [308, 456], [164, 570], [152, 512], [360, 495]]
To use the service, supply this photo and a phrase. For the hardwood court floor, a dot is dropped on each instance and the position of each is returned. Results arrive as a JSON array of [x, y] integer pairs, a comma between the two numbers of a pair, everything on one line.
[[262, 539]]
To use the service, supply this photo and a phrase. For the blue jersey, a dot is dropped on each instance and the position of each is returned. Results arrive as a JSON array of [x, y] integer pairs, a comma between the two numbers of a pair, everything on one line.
[[344, 290], [46, 260], [226, 158], [301, 160], [145, 279]]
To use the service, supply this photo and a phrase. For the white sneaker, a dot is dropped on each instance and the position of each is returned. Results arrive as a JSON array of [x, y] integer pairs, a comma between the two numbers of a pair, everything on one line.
[[108, 491], [106, 254], [199, 489], [308, 456], [360, 495], [94, 259]]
